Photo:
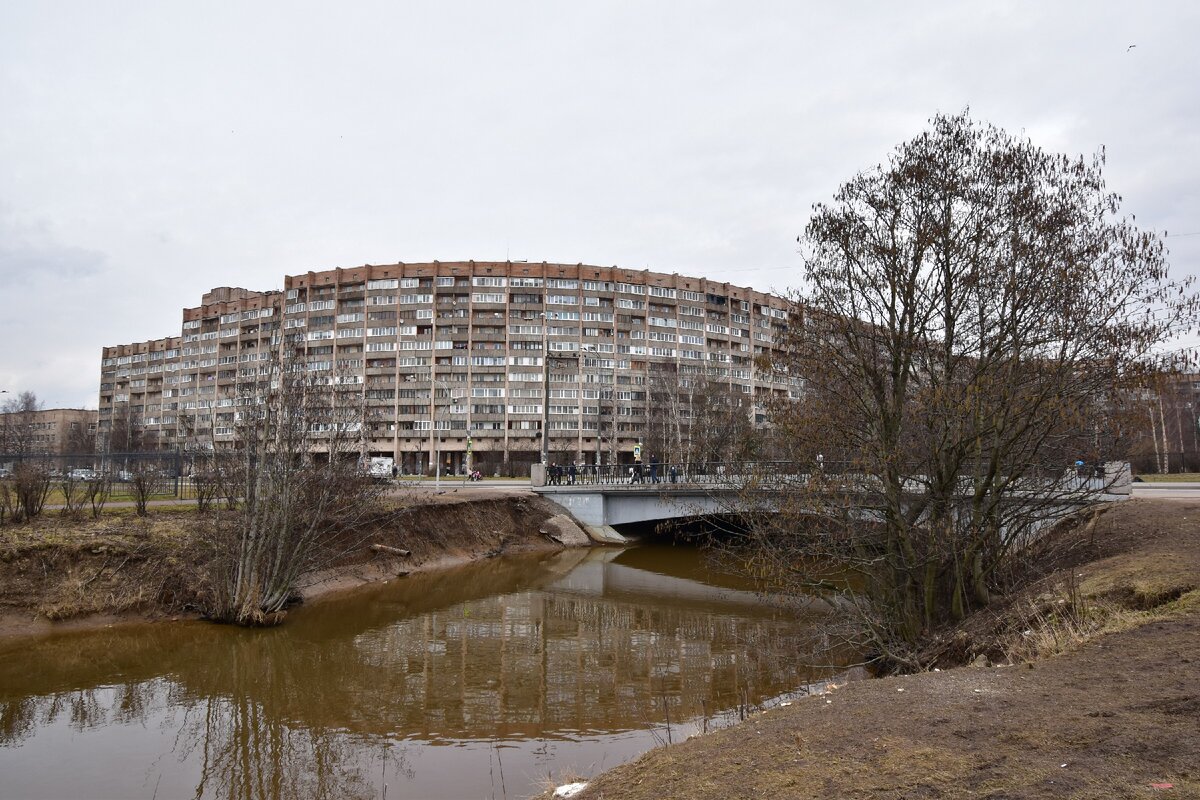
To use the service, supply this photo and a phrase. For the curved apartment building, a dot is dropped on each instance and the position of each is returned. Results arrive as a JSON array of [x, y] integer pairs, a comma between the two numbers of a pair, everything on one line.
[[458, 358]]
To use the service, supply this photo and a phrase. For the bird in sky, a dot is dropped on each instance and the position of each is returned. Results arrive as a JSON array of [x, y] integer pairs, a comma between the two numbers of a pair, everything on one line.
[[1127, 49]]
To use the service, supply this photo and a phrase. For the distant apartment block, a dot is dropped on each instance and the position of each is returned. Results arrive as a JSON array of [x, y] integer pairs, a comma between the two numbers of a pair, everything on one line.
[[452, 357], [51, 431]]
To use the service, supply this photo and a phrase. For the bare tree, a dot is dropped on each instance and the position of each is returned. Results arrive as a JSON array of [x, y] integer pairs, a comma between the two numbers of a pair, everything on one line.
[[16, 424], [79, 441], [23, 495], [304, 498], [126, 433], [99, 490], [74, 492], [972, 313], [1169, 406], [696, 417], [145, 479]]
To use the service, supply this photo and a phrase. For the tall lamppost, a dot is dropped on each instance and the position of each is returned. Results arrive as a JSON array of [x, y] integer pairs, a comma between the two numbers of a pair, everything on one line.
[[437, 480], [595, 349], [545, 388]]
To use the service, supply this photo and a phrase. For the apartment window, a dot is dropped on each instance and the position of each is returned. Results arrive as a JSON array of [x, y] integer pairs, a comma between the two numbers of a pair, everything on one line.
[[525, 409]]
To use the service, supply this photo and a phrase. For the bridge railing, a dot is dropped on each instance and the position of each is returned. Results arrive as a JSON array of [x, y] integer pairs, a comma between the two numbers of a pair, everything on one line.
[[688, 473], [1098, 478]]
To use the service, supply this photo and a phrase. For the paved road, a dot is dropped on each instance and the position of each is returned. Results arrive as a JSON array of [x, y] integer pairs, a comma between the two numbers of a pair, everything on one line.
[[459, 483], [1162, 490]]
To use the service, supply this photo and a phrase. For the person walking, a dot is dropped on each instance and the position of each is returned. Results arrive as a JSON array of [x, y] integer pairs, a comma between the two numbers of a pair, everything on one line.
[[653, 468]]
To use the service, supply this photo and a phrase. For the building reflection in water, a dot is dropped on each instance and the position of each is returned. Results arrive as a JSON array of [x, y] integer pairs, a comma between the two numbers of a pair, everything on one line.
[[583, 650]]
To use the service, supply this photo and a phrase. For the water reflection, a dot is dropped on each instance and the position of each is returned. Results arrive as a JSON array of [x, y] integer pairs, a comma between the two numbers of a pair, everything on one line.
[[528, 665]]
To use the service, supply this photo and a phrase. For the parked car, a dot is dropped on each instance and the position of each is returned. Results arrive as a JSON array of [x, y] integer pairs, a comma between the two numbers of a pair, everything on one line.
[[82, 475], [5, 472]]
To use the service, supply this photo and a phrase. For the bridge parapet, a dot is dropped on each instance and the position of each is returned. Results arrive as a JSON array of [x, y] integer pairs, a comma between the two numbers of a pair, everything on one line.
[[1111, 477], [602, 497]]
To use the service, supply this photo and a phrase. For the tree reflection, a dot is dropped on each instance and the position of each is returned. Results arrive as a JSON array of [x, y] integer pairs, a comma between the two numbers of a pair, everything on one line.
[[314, 708], [247, 753], [229, 726]]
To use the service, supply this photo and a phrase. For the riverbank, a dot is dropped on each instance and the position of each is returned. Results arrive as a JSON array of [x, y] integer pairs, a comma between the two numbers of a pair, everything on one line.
[[1097, 695], [58, 573]]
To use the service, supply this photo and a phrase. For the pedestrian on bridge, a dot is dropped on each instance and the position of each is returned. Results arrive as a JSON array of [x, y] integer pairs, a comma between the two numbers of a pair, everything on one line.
[[653, 468]]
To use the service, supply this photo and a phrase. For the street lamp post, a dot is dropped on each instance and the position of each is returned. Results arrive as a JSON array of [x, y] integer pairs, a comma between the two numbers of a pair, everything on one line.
[[437, 481], [545, 389], [595, 350]]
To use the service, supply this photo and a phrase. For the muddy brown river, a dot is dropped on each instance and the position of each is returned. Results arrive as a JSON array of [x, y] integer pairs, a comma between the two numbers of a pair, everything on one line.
[[490, 681]]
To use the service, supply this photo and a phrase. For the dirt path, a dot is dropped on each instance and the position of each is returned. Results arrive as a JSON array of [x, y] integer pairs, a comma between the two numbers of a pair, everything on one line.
[[1118, 716]]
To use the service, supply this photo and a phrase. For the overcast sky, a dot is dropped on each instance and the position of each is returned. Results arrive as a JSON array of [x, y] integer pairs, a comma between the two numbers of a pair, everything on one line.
[[151, 151]]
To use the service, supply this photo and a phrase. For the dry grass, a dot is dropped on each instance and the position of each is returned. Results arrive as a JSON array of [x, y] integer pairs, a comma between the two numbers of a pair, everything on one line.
[[1103, 705], [58, 567], [1176, 477], [1066, 625]]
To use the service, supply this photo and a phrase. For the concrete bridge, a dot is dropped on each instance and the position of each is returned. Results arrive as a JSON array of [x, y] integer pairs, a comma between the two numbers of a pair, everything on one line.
[[603, 497]]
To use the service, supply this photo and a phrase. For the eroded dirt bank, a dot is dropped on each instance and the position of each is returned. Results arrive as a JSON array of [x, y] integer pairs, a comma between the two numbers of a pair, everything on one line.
[[1102, 699], [58, 572]]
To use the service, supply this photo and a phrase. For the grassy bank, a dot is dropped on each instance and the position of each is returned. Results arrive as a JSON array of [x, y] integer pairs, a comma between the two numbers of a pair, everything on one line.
[[1095, 693], [57, 569], [1176, 477]]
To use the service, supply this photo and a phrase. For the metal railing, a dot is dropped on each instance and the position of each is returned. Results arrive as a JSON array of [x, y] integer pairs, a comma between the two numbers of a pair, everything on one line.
[[837, 475], [678, 473]]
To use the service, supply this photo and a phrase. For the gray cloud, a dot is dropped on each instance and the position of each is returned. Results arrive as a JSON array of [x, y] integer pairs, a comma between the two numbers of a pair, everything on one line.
[[236, 143]]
